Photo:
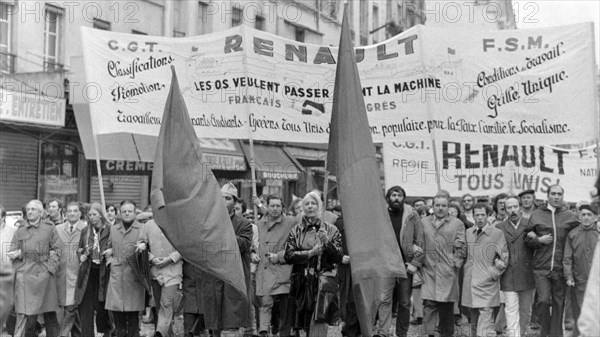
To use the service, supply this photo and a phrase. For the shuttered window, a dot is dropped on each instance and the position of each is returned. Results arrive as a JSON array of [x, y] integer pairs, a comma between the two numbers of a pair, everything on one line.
[[18, 169]]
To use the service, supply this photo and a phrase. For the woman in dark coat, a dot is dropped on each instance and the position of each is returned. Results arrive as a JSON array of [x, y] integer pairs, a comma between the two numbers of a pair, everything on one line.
[[314, 248], [90, 293]]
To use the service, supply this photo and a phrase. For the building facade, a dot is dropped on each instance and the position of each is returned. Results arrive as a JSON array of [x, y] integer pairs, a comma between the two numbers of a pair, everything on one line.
[[41, 151]]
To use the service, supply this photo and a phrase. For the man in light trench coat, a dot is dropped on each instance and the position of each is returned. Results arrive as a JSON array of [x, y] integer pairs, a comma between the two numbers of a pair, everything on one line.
[[487, 257], [35, 253], [444, 247], [125, 293]]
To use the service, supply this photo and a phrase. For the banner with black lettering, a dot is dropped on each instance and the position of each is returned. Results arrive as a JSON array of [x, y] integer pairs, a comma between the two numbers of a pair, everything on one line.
[[488, 169], [513, 87]]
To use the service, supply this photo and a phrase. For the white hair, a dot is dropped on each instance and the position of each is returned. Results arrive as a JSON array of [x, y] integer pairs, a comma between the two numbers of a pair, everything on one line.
[[314, 196], [37, 204]]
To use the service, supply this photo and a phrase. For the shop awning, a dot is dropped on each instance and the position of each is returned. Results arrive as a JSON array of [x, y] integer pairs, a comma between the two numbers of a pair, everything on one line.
[[219, 154], [272, 162]]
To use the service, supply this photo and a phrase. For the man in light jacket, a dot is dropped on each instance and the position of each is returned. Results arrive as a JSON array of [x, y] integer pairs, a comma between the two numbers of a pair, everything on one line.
[[445, 249], [35, 253], [69, 233], [166, 272], [273, 274], [487, 257]]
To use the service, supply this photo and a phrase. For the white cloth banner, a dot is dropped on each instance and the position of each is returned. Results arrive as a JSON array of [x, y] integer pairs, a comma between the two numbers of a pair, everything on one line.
[[488, 169], [521, 86]]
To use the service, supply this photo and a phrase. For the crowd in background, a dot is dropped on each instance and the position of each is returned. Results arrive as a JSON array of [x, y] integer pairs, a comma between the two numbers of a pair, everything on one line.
[[503, 265]]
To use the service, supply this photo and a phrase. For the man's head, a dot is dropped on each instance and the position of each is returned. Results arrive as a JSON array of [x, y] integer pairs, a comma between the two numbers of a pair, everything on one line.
[[556, 195], [54, 207], [274, 206], [395, 197], [418, 203], [498, 204], [467, 202], [229, 193], [588, 215], [527, 199], [239, 207], [480, 214], [513, 210], [34, 210], [73, 212], [127, 209], [440, 206]]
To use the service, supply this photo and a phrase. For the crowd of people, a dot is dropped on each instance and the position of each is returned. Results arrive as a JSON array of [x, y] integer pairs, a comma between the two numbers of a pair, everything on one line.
[[506, 265]]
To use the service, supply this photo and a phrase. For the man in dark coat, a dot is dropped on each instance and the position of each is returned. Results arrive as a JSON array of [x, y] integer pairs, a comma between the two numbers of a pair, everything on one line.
[[221, 309], [547, 234], [577, 260], [517, 282]]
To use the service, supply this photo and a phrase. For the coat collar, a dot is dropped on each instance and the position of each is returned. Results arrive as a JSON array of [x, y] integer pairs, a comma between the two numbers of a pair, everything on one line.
[[272, 222], [121, 227]]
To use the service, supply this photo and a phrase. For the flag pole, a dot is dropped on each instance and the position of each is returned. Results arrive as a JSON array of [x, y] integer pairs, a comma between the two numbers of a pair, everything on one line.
[[325, 188], [253, 174], [596, 106], [98, 168]]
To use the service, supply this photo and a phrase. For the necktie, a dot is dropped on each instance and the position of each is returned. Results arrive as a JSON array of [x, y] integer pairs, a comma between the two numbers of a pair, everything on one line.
[[478, 231], [71, 229]]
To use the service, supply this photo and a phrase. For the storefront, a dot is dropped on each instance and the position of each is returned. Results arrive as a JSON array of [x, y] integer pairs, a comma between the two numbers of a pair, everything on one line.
[[40, 152]]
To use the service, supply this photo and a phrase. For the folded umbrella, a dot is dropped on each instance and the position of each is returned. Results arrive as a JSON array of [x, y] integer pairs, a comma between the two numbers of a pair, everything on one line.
[[140, 263]]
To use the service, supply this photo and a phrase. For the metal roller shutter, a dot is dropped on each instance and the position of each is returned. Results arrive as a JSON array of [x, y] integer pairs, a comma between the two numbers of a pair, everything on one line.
[[18, 169], [123, 187]]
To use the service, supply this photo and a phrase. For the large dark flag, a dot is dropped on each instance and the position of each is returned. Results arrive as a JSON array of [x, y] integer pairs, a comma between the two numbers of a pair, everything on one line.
[[186, 199], [374, 251]]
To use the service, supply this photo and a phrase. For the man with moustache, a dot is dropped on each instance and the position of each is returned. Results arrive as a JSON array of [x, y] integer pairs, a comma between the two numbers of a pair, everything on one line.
[[467, 203], [517, 282], [579, 253], [408, 231], [547, 234]]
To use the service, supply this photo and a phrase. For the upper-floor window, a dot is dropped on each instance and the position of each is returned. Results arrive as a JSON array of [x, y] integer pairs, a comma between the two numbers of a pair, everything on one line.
[[205, 19], [237, 17], [299, 34], [260, 23], [101, 24], [6, 60], [52, 35]]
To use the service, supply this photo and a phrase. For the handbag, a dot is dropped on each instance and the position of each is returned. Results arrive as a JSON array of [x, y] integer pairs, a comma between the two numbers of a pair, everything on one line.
[[327, 308]]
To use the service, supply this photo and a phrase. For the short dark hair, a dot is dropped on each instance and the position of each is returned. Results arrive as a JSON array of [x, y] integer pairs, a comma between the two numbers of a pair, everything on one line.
[[75, 203], [243, 203], [108, 206], [2, 211], [395, 189], [274, 197], [481, 205], [417, 200], [496, 199], [58, 201], [128, 201], [456, 205]]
